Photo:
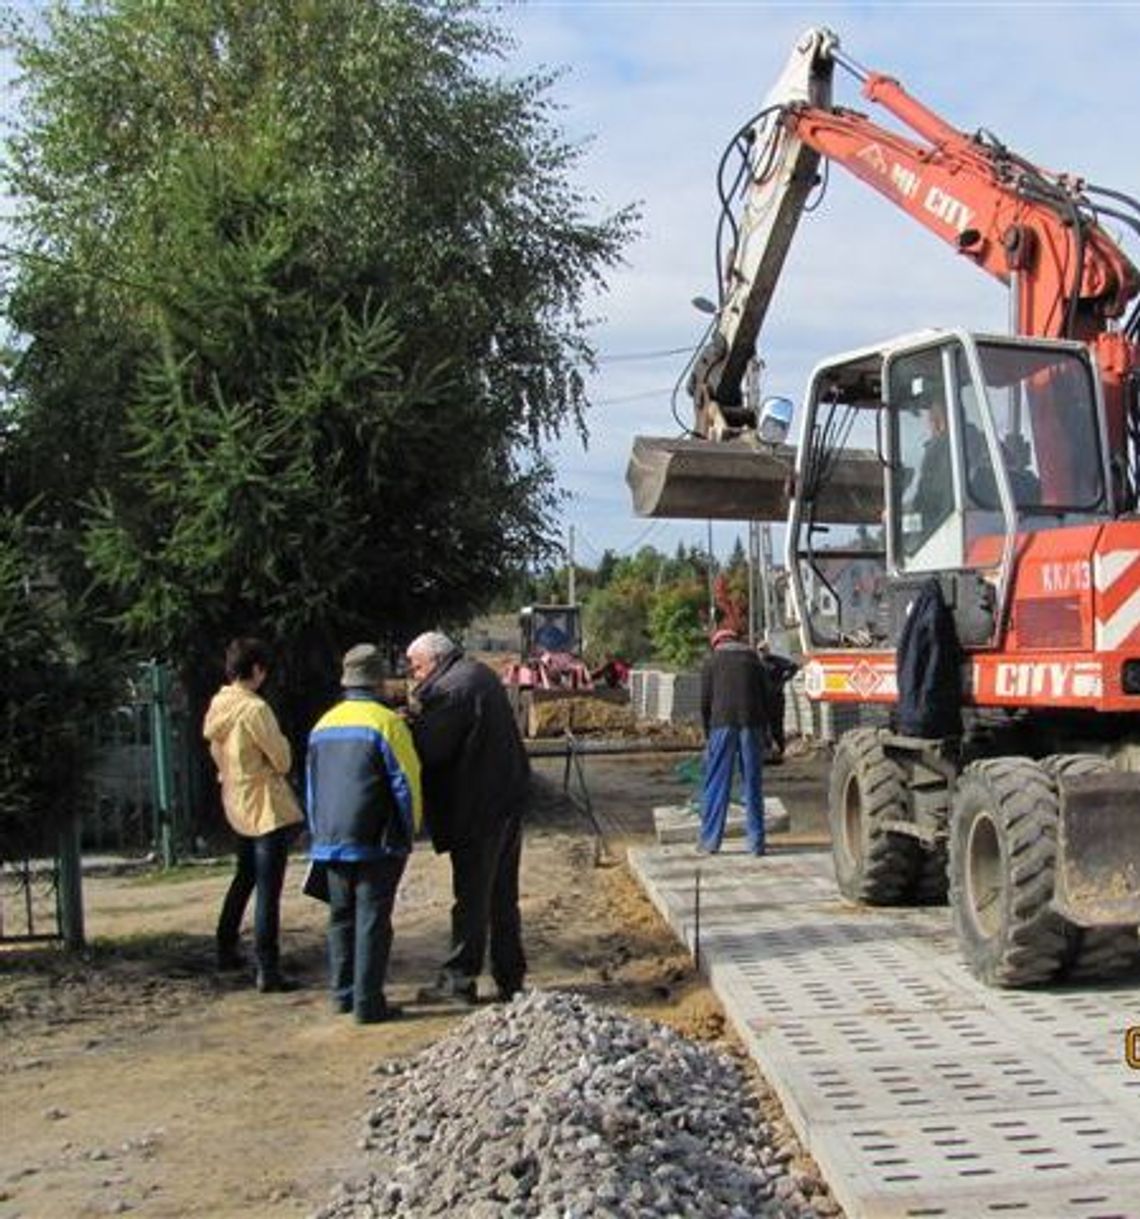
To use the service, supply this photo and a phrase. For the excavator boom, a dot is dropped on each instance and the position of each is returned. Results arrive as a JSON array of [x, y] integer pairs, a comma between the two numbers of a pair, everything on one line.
[[1031, 229]]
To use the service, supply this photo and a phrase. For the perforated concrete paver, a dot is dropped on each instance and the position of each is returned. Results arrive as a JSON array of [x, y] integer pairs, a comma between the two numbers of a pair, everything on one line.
[[919, 1091], [679, 823]]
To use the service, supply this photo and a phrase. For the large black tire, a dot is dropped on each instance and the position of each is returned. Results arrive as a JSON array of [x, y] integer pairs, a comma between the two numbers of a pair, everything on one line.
[[932, 887], [1094, 952], [873, 866], [1003, 847], [1070, 764]]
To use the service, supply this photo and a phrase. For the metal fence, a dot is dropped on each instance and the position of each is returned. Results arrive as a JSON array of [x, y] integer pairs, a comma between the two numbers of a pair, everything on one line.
[[136, 798], [41, 894], [139, 783]]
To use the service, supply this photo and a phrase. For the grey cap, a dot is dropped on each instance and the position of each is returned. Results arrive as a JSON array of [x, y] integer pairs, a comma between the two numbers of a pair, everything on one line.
[[363, 666]]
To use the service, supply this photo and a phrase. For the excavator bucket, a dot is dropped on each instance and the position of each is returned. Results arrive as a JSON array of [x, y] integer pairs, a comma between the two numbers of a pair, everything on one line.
[[1097, 878], [741, 481]]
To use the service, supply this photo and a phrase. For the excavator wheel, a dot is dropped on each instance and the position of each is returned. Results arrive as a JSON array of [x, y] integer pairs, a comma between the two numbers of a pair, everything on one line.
[[1066, 764], [932, 886], [1094, 952], [873, 865], [1003, 848]]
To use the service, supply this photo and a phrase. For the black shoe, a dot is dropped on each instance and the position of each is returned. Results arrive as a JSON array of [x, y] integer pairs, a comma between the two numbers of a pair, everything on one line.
[[274, 983], [342, 1006], [390, 1011], [231, 959], [506, 993], [449, 996]]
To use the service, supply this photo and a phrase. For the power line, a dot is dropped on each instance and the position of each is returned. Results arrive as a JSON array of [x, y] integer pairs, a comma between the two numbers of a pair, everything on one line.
[[645, 355], [624, 550], [645, 393], [588, 544]]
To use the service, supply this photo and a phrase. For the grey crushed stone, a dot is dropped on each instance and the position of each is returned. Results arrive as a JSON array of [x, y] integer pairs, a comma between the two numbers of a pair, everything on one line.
[[553, 1108]]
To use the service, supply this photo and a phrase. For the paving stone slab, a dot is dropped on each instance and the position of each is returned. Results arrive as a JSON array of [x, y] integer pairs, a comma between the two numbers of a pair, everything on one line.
[[919, 1091], [679, 823]]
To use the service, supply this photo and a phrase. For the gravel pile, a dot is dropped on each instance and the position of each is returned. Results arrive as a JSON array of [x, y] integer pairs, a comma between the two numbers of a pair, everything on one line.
[[552, 1108]]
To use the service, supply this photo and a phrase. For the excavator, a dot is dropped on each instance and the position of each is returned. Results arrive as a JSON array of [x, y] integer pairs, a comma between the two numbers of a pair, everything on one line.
[[993, 476]]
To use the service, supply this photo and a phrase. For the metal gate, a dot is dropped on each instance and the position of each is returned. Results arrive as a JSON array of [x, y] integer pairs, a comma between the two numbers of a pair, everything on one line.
[[139, 784]]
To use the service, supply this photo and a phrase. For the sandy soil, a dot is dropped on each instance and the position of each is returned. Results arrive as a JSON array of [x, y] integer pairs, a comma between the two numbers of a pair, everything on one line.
[[136, 1080]]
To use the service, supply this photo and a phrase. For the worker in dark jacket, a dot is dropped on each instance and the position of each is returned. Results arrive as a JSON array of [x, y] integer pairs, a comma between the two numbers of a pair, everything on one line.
[[476, 779], [364, 803], [734, 711], [779, 671]]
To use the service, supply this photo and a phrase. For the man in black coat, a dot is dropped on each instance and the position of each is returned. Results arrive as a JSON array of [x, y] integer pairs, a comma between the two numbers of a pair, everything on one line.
[[476, 776], [780, 671]]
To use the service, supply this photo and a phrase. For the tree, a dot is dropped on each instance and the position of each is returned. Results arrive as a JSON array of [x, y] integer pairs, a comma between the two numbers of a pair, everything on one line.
[[738, 559], [730, 596], [676, 623], [300, 301], [42, 701], [615, 621], [606, 568]]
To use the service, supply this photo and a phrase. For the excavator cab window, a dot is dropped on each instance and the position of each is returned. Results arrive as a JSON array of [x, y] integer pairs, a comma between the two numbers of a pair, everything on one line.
[[1043, 405], [551, 628], [938, 451], [1014, 430]]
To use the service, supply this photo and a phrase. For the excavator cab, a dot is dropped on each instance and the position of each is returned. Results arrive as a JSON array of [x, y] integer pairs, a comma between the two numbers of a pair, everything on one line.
[[979, 442]]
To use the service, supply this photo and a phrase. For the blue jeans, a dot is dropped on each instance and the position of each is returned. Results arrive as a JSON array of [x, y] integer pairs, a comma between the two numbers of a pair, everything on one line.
[[361, 896], [725, 746], [260, 865]]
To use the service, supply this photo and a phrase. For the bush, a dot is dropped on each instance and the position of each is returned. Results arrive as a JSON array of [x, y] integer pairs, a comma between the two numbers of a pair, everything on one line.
[[41, 702]]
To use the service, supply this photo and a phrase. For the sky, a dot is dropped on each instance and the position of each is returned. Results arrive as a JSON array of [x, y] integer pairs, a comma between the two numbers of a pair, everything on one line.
[[655, 90]]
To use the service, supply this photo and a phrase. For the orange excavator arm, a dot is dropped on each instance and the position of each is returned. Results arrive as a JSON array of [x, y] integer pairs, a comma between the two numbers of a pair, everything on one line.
[[1020, 226], [1031, 229]]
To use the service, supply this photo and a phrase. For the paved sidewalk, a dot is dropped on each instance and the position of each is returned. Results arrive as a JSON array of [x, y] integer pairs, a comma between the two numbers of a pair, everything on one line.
[[918, 1091]]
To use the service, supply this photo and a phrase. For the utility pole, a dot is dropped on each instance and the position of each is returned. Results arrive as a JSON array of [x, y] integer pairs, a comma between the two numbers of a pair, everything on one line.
[[767, 591], [753, 573], [570, 589]]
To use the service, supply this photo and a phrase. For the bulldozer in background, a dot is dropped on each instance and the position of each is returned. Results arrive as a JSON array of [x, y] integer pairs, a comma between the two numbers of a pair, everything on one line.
[[550, 686]]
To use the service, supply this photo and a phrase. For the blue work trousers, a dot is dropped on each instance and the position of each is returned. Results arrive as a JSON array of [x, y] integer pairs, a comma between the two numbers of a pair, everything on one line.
[[361, 896], [725, 746]]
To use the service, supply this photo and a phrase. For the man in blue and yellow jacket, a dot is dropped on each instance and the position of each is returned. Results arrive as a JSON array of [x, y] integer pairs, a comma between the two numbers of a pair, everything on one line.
[[364, 808]]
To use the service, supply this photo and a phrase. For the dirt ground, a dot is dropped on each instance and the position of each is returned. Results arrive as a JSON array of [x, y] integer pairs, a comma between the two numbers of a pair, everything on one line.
[[137, 1080]]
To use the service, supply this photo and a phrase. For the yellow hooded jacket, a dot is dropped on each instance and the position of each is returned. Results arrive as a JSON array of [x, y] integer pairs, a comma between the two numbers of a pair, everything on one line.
[[253, 757]]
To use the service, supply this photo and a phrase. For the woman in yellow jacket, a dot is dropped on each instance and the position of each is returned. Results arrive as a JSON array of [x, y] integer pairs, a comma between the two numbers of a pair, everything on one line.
[[253, 758]]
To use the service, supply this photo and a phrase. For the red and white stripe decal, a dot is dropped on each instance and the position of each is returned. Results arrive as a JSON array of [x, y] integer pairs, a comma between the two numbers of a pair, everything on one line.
[[1116, 576]]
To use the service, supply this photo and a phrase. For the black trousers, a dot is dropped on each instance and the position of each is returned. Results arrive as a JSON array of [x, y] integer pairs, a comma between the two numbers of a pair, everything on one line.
[[779, 713], [260, 865], [485, 886]]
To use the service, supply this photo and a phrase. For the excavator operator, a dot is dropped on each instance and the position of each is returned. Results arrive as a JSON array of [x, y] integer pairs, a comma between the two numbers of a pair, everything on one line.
[[934, 490]]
